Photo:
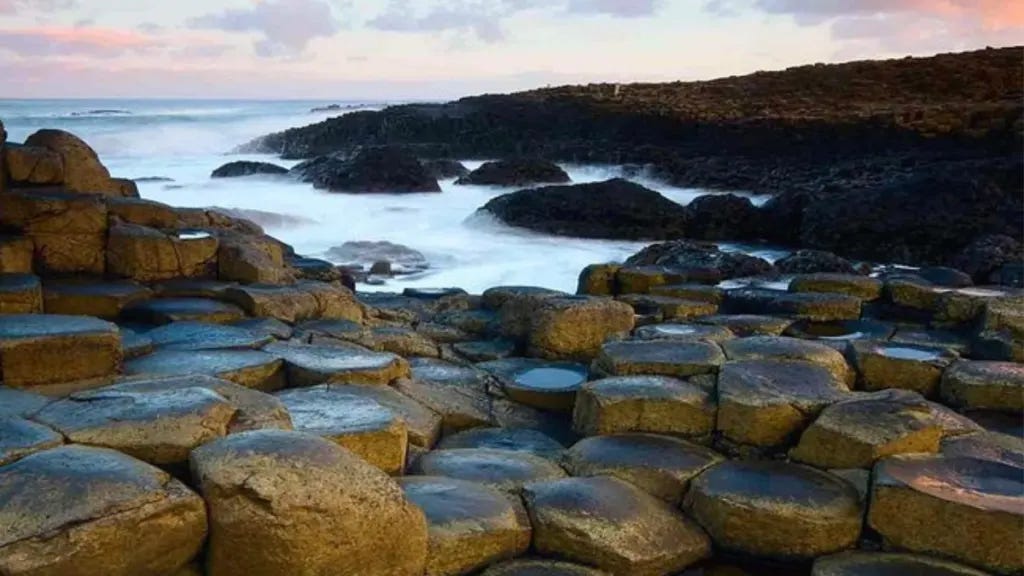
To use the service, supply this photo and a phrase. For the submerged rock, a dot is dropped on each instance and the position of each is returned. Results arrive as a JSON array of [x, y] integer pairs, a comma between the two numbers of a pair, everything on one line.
[[385, 169], [246, 168], [516, 172], [616, 209]]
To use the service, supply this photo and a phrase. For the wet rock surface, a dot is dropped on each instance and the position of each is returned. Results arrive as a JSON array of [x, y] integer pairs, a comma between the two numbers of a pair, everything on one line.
[[516, 172]]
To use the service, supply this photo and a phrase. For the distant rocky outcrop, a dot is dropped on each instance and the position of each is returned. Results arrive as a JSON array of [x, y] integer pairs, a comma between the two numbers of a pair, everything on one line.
[[59, 158], [245, 168], [615, 208], [701, 260], [382, 169], [443, 169], [516, 172]]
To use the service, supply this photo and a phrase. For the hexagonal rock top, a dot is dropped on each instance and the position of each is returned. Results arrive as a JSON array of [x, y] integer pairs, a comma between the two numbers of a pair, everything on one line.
[[888, 564], [45, 349], [504, 470], [656, 357], [20, 437], [882, 365], [662, 466], [312, 365], [469, 525], [81, 510], [530, 567], [515, 439], [292, 503], [684, 332], [104, 300], [423, 424], [981, 385], [854, 433], [656, 404], [545, 385], [767, 403], [612, 525], [567, 327], [167, 310], [815, 306], [744, 325], [785, 348], [981, 502], [775, 509], [249, 368], [191, 335], [361, 424]]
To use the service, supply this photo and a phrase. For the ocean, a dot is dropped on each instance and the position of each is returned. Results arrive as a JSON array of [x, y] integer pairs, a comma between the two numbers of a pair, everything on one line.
[[174, 145]]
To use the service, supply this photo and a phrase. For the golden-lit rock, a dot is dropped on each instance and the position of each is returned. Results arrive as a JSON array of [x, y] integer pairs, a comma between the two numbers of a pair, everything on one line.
[[656, 404]]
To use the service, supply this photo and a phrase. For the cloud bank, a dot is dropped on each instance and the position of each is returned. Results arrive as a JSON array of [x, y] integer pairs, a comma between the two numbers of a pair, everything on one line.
[[285, 27]]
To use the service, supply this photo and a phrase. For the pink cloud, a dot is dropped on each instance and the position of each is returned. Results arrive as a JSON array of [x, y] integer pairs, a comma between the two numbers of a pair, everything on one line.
[[87, 41]]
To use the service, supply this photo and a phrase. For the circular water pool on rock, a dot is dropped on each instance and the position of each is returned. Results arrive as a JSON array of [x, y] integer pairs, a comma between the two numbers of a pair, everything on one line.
[[560, 379], [908, 353]]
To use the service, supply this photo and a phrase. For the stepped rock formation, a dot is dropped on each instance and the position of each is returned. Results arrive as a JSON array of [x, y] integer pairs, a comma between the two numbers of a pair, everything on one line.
[[181, 394]]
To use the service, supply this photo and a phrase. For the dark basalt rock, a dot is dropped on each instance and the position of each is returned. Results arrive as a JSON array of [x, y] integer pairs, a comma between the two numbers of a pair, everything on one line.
[[723, 217], [814, 261], [986, 255], [701, 262], [616, 209], [516, 172], [443, 169], [383, 169], [245, 168]]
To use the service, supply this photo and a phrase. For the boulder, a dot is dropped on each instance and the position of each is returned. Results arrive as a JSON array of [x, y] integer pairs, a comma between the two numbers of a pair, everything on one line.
[[16, 254], [515, 439], [246, 168], [814, 262], [699, 262], [598, 280], [148, 255], [662, 466], [858, 563], [251, 260], [698, 292], [516, 172], [20, 437], [981, 385], [308, 365], [529, 567], [167, 310], [614, 209], [856, 432], [566, 327], [882, 365], [68, 231], [612, 525], [655, 404], [143, 213], [658, 357], [356, 422], [33, 165], [815, 306], [365, 254], [723, 217], [443, 169], [157, 427], [984, 256], [645, 279], [83, 171], [385, 169], [249, 368], [51, 352], [469, 525], [776, 510], [76, 510], [980, 503], [104, 300], [20, 294], [289, 503], [289, 304], [785, 348], [764, 405], [863, 287], [504, 470]]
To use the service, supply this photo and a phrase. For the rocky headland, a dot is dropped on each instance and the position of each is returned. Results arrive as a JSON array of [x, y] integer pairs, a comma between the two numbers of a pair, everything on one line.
[[183, 395], [907, 160]]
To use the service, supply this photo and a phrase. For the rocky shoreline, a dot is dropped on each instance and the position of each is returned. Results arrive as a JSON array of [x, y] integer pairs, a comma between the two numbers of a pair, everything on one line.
[[183, 395], [906, 161]]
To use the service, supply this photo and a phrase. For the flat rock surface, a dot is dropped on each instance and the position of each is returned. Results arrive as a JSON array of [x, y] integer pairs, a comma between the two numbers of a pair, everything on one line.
[[888, 564], [250, 368], [191, 335], [515, 439], [20, 437], [167, 310], [504, 470], [784, 348], [646, 404], [655, 357], [311, 365], [612, 525]]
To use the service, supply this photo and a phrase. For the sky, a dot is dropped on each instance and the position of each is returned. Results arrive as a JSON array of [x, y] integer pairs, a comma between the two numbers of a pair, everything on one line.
[[436, 49]]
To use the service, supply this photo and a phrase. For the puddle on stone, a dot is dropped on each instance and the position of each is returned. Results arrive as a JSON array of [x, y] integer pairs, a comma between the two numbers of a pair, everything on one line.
[[905, 353], [675, 329], [193, 235], [550, 379]]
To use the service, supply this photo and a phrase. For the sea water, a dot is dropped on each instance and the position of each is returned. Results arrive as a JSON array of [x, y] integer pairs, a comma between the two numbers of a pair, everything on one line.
[[173, 146]]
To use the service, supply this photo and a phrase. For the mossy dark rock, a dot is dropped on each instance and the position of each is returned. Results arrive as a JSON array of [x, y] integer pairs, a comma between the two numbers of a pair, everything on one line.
[[246, 168], [516, 172]]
